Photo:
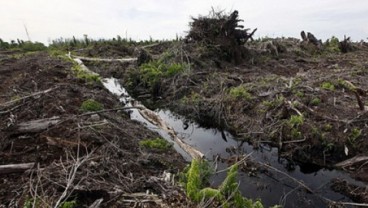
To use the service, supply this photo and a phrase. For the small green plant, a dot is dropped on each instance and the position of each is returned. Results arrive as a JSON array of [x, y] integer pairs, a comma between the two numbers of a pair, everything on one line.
[[91, 105], [354, 135], [69, 204], [315, 101], [296, 134], [240, 92], [227, 193], [328, 86], [153, 71], [299, 94], [157, 143], [295, 121], [327, 127]]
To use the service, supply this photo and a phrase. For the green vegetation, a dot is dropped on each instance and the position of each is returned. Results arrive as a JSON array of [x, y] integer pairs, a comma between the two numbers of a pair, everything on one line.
[[85, 75], [228, 194], [157, 143], [69, 204], [193, 99], [327, 127], [296, 121], [354, 135], [29, 202], [25, 46], [240, 92], [152, 72], [332, 45], [274, 103], [315, 101], [91, 105], [328, 86]]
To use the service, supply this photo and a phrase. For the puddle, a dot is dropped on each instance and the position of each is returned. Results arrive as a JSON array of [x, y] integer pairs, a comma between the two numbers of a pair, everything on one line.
[[272, 187]]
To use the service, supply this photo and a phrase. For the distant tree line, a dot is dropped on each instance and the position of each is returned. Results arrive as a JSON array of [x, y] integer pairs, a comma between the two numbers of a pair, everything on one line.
[[22, 45]]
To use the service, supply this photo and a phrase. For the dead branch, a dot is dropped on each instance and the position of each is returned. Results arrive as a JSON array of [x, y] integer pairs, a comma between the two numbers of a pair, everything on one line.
[[96, 204], [15, 168], [288, 176], [351, 161], [9, 103]]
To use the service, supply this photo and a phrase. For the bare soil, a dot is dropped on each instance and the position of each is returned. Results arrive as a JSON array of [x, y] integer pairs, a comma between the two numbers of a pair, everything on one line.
[[86, 156]]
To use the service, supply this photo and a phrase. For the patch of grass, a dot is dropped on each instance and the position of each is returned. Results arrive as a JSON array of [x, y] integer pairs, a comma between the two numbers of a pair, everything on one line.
[[153, 71], [227, 193], [157, 143], [328, 86], [91, 105], [240, 92], [315, 101], [85, 75], [296, 121]]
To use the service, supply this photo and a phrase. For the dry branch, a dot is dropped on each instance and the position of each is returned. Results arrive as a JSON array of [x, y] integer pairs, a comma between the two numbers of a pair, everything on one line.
[[15, 168], [9, 103], [352, 161]]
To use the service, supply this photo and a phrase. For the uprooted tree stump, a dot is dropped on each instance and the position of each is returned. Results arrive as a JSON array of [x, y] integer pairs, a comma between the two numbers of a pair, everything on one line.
[[221, 31]]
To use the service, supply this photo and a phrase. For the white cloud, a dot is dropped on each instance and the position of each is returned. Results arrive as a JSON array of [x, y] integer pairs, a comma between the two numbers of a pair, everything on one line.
[[141, 19]]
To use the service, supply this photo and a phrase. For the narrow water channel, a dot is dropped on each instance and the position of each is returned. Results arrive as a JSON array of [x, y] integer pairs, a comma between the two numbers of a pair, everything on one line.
[[270, 186]]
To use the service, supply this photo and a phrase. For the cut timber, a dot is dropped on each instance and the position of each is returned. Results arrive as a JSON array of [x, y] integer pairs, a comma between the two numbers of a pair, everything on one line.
[[352, 161], [35, 126], [15, 168], [156, 120], [129, 60]]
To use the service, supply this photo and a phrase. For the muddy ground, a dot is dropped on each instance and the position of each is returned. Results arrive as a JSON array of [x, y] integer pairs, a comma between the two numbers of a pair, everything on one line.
[[311, 103], [83, 157], [283, 93]]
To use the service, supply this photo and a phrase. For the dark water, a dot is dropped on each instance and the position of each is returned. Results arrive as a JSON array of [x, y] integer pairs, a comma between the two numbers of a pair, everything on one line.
[[271, 187]]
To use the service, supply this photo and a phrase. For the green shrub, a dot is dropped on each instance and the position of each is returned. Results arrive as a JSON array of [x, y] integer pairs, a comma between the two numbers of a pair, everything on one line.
[[91, 105], [157, 143], [332, 45], [240, 92]]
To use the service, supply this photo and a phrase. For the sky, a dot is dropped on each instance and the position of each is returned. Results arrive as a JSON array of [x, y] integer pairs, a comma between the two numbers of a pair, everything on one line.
[[46, 20]]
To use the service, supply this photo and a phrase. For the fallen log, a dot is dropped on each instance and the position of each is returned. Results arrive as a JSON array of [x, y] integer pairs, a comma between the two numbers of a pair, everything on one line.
[[129, 60], [35, 126], [15, 168], [153, 118]]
